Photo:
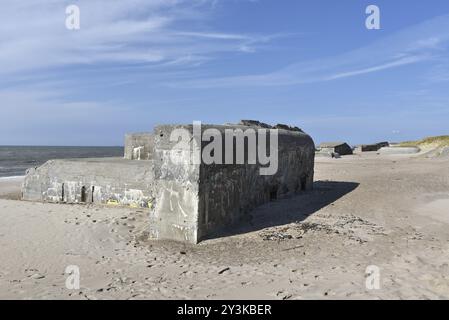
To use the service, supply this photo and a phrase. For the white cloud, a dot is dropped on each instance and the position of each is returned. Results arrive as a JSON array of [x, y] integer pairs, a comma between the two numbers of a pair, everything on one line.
[[34, 35], [385, 66], [425, 42], [220, 36]]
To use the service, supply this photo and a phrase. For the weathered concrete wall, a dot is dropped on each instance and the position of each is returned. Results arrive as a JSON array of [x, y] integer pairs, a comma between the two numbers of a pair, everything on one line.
[[188, 201], [342, 148], [102, 181], [371, 147], [175, 213], [229, 192], [399, 150], [195, 200], [139, 146]]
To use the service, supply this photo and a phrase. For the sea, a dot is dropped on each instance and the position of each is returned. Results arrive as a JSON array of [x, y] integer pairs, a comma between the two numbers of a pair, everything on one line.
[[15, 160]]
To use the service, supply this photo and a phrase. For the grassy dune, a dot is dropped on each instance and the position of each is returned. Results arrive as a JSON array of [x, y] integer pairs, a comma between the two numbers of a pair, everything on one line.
[[430, 142]]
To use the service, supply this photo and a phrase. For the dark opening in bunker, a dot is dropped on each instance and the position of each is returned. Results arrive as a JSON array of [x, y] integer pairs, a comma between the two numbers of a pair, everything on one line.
[[83, 194], [92, 197], [273, 193], [303, 183]]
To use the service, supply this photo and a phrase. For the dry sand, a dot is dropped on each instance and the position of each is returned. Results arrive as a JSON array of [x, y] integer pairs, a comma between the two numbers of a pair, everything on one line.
[[10, 188], [388, 211]]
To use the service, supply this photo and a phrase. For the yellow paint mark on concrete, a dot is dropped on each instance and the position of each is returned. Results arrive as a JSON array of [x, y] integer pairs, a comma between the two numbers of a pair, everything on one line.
[[112, 203]]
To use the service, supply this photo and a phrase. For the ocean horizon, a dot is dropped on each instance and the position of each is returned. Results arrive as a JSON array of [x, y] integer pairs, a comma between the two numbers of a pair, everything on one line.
[[15, 160]]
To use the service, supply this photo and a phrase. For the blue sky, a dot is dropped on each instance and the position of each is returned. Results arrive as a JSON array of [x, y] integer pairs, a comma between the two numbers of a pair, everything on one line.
[[136, 63]]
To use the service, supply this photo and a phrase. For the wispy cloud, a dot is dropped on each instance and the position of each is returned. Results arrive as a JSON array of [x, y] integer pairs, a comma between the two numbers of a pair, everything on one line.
[[385, 66], [208, 35], [34, 36], [425, 42], [49, 72], [119, 70]]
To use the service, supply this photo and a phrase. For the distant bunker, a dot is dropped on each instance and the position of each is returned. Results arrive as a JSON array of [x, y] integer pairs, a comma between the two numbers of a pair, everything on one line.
[[334, 149], [187, 200], [371, 147], [399, 150]]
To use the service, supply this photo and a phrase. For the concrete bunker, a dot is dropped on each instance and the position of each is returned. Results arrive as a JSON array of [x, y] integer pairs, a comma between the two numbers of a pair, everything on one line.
[[339, 148], [371, 147], [187, 201], [139, 146]]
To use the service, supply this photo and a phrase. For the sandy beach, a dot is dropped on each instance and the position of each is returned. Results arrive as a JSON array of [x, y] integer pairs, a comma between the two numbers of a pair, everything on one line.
[[382, 210], [10, 188]]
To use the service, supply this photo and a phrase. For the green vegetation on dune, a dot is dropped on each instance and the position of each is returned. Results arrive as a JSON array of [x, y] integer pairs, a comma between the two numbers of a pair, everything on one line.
[[437, 142]]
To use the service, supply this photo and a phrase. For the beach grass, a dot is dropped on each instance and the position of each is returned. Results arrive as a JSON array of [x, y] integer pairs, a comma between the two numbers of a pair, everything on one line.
[[437, 142]]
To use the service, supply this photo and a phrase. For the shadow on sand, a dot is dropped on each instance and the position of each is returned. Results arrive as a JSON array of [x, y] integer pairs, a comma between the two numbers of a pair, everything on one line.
[[292, 209]]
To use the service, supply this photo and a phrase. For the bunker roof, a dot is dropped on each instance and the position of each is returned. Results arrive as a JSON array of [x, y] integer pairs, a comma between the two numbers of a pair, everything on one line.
[[331, 144]]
